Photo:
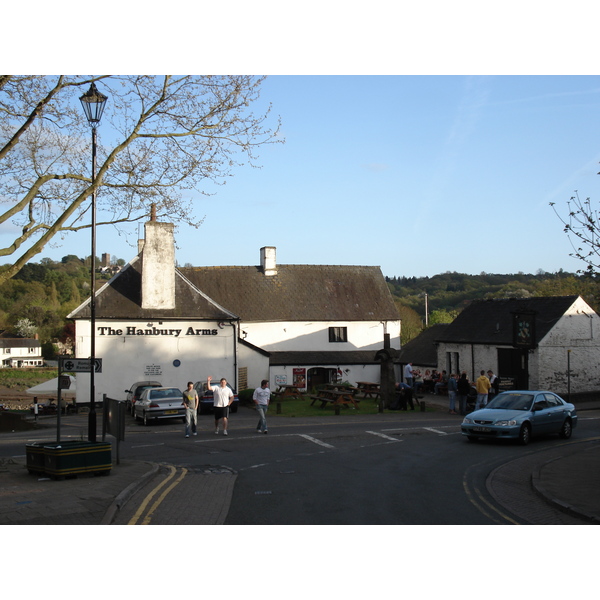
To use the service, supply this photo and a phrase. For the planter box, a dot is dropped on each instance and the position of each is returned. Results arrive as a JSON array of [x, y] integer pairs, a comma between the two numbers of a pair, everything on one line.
[[69, 458], [35, 457]]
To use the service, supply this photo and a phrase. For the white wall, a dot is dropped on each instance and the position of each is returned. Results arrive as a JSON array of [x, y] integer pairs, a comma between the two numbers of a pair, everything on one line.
[[303, 336], [357, 373], [128, 356], [576, 340]]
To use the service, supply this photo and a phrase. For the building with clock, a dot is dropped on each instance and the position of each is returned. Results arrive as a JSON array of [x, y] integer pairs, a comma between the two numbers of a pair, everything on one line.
[[548, 343]]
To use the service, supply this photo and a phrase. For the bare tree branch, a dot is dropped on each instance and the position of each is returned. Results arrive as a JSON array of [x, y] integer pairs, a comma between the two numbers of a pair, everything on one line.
[[172, 135], [582, 226]]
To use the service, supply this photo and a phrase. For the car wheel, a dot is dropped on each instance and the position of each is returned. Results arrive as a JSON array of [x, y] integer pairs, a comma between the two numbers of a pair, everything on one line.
[[525, 434], [146, 420], [566, 430]]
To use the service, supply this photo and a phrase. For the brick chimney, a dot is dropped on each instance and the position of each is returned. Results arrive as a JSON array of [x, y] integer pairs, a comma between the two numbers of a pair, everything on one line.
[[268, 260], [158, 265]]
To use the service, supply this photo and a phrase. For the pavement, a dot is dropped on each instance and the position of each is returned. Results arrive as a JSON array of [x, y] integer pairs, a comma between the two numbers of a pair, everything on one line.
[[567, 479]]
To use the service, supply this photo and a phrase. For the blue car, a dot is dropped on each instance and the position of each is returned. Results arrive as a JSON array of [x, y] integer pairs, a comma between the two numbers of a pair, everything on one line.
[[521, 414]]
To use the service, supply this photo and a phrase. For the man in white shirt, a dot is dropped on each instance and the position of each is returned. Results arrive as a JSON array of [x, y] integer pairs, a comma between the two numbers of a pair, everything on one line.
[[408, 374], [261, 398], [222, 400]]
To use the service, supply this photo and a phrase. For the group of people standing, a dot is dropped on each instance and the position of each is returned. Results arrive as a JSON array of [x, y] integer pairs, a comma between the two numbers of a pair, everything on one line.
[[222, 399], [459, 387]]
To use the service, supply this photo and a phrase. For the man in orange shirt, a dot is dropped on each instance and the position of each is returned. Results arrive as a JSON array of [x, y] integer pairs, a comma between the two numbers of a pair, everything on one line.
[[483, 387]]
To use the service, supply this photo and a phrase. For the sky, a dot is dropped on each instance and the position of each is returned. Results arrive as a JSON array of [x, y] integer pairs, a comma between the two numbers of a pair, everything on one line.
[[418, 174]]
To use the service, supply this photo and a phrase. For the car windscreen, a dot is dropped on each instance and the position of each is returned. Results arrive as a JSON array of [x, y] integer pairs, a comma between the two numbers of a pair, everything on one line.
[[510, 401]]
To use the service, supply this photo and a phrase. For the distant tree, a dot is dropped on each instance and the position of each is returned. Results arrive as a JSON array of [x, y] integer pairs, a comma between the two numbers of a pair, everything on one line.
[[164, 136], [411, 322], [26, 328], [442, 316], [582, 226]]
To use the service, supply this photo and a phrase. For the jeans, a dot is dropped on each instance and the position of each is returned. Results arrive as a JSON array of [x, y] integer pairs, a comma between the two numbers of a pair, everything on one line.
[[481, 401], [452, 398], [262, 417], [191, 418], [462, 404]]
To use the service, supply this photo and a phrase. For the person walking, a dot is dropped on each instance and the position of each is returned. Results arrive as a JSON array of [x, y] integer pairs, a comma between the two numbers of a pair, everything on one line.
[[222, 400], [190, 399], [261, 398], [463, 389], [452, 390], [408, 374], [483, 387]]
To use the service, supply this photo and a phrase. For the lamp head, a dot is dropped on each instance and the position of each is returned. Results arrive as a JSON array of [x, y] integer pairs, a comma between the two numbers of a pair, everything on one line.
[[93, 103]]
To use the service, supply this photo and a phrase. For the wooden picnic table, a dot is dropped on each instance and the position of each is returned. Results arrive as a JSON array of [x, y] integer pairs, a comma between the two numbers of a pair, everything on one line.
[[369, 389], [335, 398], [288, 391]]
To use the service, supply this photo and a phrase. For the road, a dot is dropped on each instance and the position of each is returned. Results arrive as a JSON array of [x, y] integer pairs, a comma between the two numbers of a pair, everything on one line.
[[406, 468], [397, 468]]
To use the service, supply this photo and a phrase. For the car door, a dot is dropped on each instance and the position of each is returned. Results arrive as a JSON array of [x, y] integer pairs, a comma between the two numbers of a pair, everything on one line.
[[541, 417], [556, 412], [142, 403]]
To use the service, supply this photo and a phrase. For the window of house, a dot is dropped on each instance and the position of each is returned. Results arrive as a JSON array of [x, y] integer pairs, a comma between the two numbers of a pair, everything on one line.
[[338, 334]]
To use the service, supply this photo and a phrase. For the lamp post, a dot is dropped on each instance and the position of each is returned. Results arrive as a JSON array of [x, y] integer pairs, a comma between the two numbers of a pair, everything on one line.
[[93, 103]]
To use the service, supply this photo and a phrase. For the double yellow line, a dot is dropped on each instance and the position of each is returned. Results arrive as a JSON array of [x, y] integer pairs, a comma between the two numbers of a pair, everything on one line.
[[140, 511]]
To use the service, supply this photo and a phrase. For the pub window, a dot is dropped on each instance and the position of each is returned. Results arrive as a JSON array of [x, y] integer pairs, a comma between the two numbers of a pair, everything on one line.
[[338, 334]]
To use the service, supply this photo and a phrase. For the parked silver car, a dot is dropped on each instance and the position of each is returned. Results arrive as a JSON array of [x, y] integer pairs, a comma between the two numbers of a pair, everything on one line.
[[133, 393], [159, 403]]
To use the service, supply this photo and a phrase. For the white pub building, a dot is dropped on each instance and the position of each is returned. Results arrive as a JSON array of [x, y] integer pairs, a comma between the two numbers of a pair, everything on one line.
[[301, 324]]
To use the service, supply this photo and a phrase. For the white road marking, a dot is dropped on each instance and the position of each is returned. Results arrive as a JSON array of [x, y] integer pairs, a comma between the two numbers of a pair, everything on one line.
[[387, 437], [435, 430], [312, 439]]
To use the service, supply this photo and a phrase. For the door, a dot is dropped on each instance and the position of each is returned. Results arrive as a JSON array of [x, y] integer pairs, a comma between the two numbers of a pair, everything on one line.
[[514, 364]]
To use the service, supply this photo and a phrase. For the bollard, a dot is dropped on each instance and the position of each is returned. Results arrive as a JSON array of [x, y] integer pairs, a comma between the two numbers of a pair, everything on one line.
[[337, 409], [278, 408], [422, 406]]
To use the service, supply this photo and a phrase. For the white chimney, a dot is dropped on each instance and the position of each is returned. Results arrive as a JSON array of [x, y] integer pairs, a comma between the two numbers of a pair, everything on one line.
[[158, 266], [268, 262]]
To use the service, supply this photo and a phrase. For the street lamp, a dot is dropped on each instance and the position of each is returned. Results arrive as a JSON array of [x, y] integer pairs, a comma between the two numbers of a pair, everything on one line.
[[93, 103]]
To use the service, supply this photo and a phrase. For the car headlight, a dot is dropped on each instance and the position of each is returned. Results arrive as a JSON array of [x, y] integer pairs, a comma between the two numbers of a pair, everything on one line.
[[506, 423], [467, 421]]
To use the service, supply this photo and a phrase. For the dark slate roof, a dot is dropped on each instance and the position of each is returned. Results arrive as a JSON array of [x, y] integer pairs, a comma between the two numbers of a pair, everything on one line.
[[491, 321], [8, 341], [350, 357], [422, 350], [298, 292], [120, 298]]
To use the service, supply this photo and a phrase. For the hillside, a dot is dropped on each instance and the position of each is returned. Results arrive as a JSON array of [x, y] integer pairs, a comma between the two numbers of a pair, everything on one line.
[[448, 293], [44, 293]]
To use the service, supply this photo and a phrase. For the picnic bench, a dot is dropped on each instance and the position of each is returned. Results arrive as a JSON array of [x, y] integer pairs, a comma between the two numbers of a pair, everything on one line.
[[369, 389], [288, 391], [336, 398]]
